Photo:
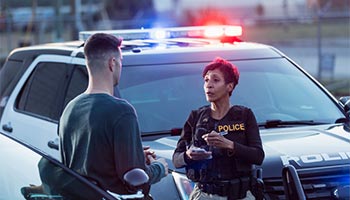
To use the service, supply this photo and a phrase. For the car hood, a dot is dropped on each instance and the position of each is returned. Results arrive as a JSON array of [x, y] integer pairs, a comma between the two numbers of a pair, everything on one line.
[[304, 147]]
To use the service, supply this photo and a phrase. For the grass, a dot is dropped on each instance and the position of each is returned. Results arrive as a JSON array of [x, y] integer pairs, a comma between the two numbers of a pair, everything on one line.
[[338, 87], [286, 32]]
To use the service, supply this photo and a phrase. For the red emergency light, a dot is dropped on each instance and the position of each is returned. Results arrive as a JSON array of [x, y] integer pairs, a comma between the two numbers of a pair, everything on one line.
[[217, 31]]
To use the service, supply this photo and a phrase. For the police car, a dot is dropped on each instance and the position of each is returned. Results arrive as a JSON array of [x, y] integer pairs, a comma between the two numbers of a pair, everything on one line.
[[301, 123]]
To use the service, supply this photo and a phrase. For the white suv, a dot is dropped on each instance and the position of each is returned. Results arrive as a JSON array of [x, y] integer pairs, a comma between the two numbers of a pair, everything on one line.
[[301, 123]]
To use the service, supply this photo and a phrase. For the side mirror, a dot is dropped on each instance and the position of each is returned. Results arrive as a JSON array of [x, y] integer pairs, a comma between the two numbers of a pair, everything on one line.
[[136, 181], [136, 177], [345, 101]]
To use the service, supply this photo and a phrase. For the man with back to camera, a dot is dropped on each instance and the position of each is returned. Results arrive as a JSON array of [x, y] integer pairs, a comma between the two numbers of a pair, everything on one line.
[[99, 133]]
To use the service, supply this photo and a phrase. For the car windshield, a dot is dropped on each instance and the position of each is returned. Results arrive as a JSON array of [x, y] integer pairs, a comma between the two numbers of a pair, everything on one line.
[[164, 95]]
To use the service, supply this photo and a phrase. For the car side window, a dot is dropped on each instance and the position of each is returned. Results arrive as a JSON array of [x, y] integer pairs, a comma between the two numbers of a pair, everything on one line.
[[50, 87], [10, 70], [77, 84]]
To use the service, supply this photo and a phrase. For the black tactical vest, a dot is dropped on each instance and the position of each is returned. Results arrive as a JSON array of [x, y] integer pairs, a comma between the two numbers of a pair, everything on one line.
[[221, 166]]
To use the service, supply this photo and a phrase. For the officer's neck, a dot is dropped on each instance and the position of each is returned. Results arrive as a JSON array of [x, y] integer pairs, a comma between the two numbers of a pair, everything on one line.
[[219, 110]]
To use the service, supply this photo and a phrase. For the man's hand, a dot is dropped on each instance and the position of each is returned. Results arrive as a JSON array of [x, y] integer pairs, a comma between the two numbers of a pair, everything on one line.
[[148, 152], [160, 160]]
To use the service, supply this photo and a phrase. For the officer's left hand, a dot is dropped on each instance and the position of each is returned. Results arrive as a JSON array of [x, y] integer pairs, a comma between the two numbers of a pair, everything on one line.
[[215, 139]]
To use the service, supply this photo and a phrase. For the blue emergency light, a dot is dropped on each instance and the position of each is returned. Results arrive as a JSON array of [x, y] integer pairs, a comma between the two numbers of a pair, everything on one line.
[[209, 32]]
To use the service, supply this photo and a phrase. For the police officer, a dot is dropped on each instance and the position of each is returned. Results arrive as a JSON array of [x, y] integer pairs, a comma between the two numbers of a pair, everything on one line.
[[220, 143]]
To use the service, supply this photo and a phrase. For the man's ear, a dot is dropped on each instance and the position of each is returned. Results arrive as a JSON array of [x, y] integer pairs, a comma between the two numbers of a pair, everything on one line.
[[111, 63]]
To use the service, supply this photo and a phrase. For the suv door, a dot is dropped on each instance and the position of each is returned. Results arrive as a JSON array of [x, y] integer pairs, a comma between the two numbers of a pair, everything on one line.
[[36, 103], [26, 173]]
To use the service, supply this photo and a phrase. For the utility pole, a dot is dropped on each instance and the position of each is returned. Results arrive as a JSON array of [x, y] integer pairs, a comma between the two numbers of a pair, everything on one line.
[[8, 24], [319, 42], [78, 22], [58, 21], [76, 14], [33, 25], [321, 58]]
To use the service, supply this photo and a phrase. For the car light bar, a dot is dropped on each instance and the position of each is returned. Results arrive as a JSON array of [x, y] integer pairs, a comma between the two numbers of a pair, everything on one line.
[[176, 32]]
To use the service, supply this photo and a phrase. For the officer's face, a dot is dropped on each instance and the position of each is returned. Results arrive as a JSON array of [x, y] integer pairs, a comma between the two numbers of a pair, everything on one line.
[[215, 87]]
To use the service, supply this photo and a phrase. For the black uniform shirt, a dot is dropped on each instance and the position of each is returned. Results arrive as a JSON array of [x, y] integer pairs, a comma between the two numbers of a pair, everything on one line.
[[238, 125]]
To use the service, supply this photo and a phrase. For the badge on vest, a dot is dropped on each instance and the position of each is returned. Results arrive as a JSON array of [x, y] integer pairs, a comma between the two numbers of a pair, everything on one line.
[[231, 127]]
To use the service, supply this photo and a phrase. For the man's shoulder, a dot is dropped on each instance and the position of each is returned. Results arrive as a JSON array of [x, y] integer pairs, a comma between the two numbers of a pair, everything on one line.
[[75, 101], [118, 103], [104, 103]]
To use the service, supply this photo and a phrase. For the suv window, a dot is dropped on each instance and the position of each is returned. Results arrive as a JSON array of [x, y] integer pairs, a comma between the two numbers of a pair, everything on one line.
[[77, 85], [50, 87], [8, 79]]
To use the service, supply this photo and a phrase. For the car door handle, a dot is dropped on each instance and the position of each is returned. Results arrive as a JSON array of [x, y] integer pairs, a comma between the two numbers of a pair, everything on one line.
[[53, 144], [7, 127]]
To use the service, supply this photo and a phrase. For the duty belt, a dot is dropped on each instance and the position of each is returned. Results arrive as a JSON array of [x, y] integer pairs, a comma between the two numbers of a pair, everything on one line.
[[233, 189]]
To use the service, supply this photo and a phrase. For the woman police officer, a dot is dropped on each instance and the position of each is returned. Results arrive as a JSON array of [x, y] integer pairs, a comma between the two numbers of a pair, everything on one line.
[[220, 143]]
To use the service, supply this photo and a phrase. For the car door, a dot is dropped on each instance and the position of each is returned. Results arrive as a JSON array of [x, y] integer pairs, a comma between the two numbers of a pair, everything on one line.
[[35, 105], [26, 173]]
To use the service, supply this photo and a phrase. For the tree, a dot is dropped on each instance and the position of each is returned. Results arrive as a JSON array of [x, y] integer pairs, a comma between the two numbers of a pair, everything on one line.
[[135, 12]]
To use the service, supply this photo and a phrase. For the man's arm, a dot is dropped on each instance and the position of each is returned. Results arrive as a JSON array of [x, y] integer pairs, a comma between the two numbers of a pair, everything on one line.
[[129, 151]]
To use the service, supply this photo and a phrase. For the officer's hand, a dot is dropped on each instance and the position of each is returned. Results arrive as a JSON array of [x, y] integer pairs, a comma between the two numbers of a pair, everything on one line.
[[195, 154], [148, 152], [162, 161], [215, 139]]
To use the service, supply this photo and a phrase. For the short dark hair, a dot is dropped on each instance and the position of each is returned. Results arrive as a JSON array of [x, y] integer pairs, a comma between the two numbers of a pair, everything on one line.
[[230, 71], [100, 43]]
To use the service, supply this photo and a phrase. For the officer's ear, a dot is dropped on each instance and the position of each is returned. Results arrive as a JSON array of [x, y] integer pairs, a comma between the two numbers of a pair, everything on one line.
[[230, 87]]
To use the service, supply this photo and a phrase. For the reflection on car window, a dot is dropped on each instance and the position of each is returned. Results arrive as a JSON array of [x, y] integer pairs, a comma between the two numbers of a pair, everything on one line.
[[275, 89], [77, 85], [40, 95], [57, 182], [43, 92], [164, 95], [26, 175], [18, 168]]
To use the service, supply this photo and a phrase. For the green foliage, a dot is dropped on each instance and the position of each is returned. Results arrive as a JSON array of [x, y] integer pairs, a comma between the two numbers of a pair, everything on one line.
[[126, 10]]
